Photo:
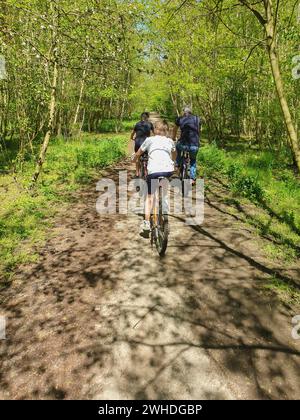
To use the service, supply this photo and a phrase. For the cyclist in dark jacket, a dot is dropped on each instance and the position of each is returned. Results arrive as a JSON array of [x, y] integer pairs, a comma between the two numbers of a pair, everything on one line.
[[190, 126], [143, 129]]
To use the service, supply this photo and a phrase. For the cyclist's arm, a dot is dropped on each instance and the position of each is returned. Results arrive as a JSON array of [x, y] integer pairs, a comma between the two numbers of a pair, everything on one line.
[[175, 131], [137, 155], [173, 152], [152, 130], [132, 136], [141, 150]]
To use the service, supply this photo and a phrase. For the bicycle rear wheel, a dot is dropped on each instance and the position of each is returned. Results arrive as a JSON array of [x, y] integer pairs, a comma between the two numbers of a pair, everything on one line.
[[184, 174], [143, 167], [161, 233]]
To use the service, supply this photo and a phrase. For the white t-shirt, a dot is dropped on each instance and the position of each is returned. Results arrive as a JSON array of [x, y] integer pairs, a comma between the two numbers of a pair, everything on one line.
[[160, 150]]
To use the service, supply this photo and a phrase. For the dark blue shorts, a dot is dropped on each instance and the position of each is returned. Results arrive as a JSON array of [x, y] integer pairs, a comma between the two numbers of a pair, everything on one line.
[[137, 143], [152, 180]]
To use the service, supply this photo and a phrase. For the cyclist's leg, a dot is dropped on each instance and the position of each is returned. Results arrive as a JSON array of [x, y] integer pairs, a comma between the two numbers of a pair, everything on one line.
[[193, 150], [144, 163], [153, 183], [137, 169], [137, 145], [137, 165], [179, 158], [165, 195]]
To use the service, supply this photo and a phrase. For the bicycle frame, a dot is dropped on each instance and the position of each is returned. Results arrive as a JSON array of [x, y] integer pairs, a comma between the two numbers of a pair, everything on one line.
[[184, 168], [185, 165], [159, 222], [143, 166]]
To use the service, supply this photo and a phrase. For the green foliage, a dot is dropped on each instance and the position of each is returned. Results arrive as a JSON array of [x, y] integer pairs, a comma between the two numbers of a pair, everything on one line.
[[213, 158], [108, 126], [119, 58], [244, 185], [97, 59], [286, 293], [216, 162], [234, 171], [265, 160], [264, 179], [91, 157], [81, 176], [206, 55], [248, 186]]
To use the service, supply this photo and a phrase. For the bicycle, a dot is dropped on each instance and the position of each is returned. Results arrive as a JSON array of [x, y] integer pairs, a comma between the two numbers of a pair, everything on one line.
[[143, 166], [184, 169], [159, 221]]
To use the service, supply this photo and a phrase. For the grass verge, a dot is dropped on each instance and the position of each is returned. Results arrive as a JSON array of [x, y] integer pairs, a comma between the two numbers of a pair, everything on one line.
[[285, 292], [264, 179], [24, 217]]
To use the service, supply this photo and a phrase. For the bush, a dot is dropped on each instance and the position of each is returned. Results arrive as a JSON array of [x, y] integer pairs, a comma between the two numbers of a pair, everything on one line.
[[249, 187], [81, 176], [267, 180], [263, 160], [212, 159], [291, 183], [234, 171], [109, 126]]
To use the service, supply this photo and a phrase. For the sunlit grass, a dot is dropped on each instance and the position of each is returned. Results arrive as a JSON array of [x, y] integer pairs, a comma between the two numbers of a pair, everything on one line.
[[112, 125], [284, 291], [265, 180]]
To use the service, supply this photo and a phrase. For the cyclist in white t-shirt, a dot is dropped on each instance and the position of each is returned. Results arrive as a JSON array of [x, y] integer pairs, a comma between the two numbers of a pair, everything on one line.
[[161, 156]]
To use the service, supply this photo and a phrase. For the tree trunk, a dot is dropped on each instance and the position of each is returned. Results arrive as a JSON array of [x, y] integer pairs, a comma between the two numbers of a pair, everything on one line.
[[59, 122], [273, 55], [174, 102], [52, 107], [269, 23], [52, 104], [79, 104]]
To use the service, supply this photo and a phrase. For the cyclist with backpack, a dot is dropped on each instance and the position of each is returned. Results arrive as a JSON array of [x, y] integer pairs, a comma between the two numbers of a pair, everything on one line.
[[142, 130], [189, 140]]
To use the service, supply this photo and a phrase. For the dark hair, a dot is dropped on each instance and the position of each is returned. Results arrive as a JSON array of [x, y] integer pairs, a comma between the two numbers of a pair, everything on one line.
[[145, 115]]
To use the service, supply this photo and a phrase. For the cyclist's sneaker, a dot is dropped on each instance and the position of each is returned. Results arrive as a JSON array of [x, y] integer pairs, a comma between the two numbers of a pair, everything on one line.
[[145, 229]]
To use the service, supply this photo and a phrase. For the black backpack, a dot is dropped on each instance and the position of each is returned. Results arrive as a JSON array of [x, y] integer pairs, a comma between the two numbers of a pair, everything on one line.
[[195, 126]]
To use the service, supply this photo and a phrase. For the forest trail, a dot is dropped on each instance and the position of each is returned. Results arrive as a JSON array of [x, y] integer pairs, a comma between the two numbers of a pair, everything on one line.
[[100, 316]]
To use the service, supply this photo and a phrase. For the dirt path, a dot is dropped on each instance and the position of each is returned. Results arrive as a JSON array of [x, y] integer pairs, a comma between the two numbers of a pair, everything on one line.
[[100, 316]]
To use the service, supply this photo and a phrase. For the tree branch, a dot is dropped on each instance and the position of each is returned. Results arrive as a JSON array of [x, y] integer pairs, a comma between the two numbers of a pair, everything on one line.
[[258, 15]]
